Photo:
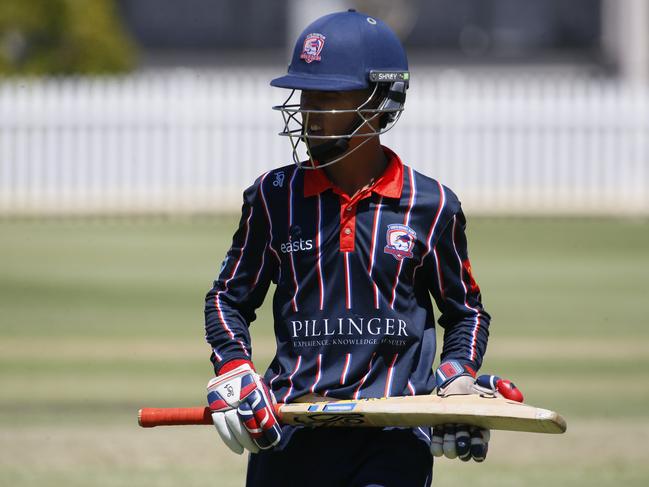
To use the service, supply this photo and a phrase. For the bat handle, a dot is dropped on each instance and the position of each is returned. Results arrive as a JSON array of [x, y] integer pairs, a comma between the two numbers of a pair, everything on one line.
[[150, 417]]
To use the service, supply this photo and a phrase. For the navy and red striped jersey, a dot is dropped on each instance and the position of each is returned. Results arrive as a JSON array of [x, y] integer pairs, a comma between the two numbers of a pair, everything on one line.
[[353, 315]]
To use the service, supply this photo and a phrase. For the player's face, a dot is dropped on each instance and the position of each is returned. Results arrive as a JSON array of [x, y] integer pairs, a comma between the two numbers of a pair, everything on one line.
[[331, 123]]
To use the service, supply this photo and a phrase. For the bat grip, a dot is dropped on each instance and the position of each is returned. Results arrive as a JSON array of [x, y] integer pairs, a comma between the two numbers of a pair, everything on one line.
[[150, 417]]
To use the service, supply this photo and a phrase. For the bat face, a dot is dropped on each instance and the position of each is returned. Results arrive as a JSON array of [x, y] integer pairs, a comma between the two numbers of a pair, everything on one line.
[[485, 411]]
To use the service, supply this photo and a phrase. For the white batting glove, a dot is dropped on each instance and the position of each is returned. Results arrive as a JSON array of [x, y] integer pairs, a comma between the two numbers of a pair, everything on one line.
[[463, 441], [243, 410]]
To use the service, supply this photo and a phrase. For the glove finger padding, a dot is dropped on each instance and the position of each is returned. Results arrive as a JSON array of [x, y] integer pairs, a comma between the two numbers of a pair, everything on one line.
[[437, 441], [479, 444], [226, 434], [460, 441], [449, 441], [463, 442], [259, 420], [239, 431], [500, 387]]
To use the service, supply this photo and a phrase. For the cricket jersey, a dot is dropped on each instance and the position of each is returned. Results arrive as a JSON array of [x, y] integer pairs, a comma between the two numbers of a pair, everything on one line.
[[352, 310]]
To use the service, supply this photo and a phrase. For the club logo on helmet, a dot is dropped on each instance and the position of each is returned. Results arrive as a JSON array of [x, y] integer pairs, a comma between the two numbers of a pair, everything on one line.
[[313, 44], [401, 239]]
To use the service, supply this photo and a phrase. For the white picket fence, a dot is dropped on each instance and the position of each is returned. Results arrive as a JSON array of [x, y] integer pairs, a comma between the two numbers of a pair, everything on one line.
[[186, 141]]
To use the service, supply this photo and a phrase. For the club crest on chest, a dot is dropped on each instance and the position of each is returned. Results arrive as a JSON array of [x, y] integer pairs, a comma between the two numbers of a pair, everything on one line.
[[400, 241]]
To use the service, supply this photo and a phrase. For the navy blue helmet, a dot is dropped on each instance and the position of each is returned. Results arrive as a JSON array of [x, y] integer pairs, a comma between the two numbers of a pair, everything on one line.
[[338, 52]]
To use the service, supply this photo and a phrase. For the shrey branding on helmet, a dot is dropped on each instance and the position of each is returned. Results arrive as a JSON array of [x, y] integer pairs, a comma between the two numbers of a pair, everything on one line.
[[313, 44], [400, 241]]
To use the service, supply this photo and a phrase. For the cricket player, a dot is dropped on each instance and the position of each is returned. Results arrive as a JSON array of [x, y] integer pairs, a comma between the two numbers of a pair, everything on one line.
[[357, 243]]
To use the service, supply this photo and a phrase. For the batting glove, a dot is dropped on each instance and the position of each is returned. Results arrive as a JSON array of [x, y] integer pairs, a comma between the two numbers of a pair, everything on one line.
[[243, 410], [463, 441]]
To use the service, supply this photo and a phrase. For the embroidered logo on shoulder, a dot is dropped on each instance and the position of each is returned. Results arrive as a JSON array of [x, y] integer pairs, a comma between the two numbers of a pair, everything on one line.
[[401, 239], [279, 179], [313, 44]]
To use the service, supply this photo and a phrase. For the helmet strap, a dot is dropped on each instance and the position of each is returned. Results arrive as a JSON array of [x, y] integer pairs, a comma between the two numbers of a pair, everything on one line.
[[329, 150], [332, 149]]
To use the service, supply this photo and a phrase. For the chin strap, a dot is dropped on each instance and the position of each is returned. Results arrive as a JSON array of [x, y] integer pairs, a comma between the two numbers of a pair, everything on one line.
[[334, 148], [329, 150]]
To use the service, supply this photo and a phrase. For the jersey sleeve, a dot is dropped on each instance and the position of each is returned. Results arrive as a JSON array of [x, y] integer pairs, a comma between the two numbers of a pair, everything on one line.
[[242, 283], [463, 317]]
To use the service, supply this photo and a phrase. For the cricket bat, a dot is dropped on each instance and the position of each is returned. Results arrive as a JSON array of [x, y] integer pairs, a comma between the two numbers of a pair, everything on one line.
[[485, 411]]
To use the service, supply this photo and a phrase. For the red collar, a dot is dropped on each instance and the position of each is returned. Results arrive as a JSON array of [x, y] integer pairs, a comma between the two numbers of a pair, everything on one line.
[[389, 184]]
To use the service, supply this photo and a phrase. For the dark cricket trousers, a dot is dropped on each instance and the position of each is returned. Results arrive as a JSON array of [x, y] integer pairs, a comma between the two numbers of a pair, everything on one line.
[[344, 457]]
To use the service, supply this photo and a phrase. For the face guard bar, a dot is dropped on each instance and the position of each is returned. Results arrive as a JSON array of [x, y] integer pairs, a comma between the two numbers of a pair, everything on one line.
[[336, 147]]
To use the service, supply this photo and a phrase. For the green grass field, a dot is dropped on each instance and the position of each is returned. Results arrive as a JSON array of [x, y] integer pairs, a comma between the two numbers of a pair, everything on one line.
[[99, 318]]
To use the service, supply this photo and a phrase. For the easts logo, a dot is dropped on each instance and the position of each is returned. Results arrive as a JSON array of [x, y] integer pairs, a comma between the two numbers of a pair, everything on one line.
[[313, 44], [400, 241]]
